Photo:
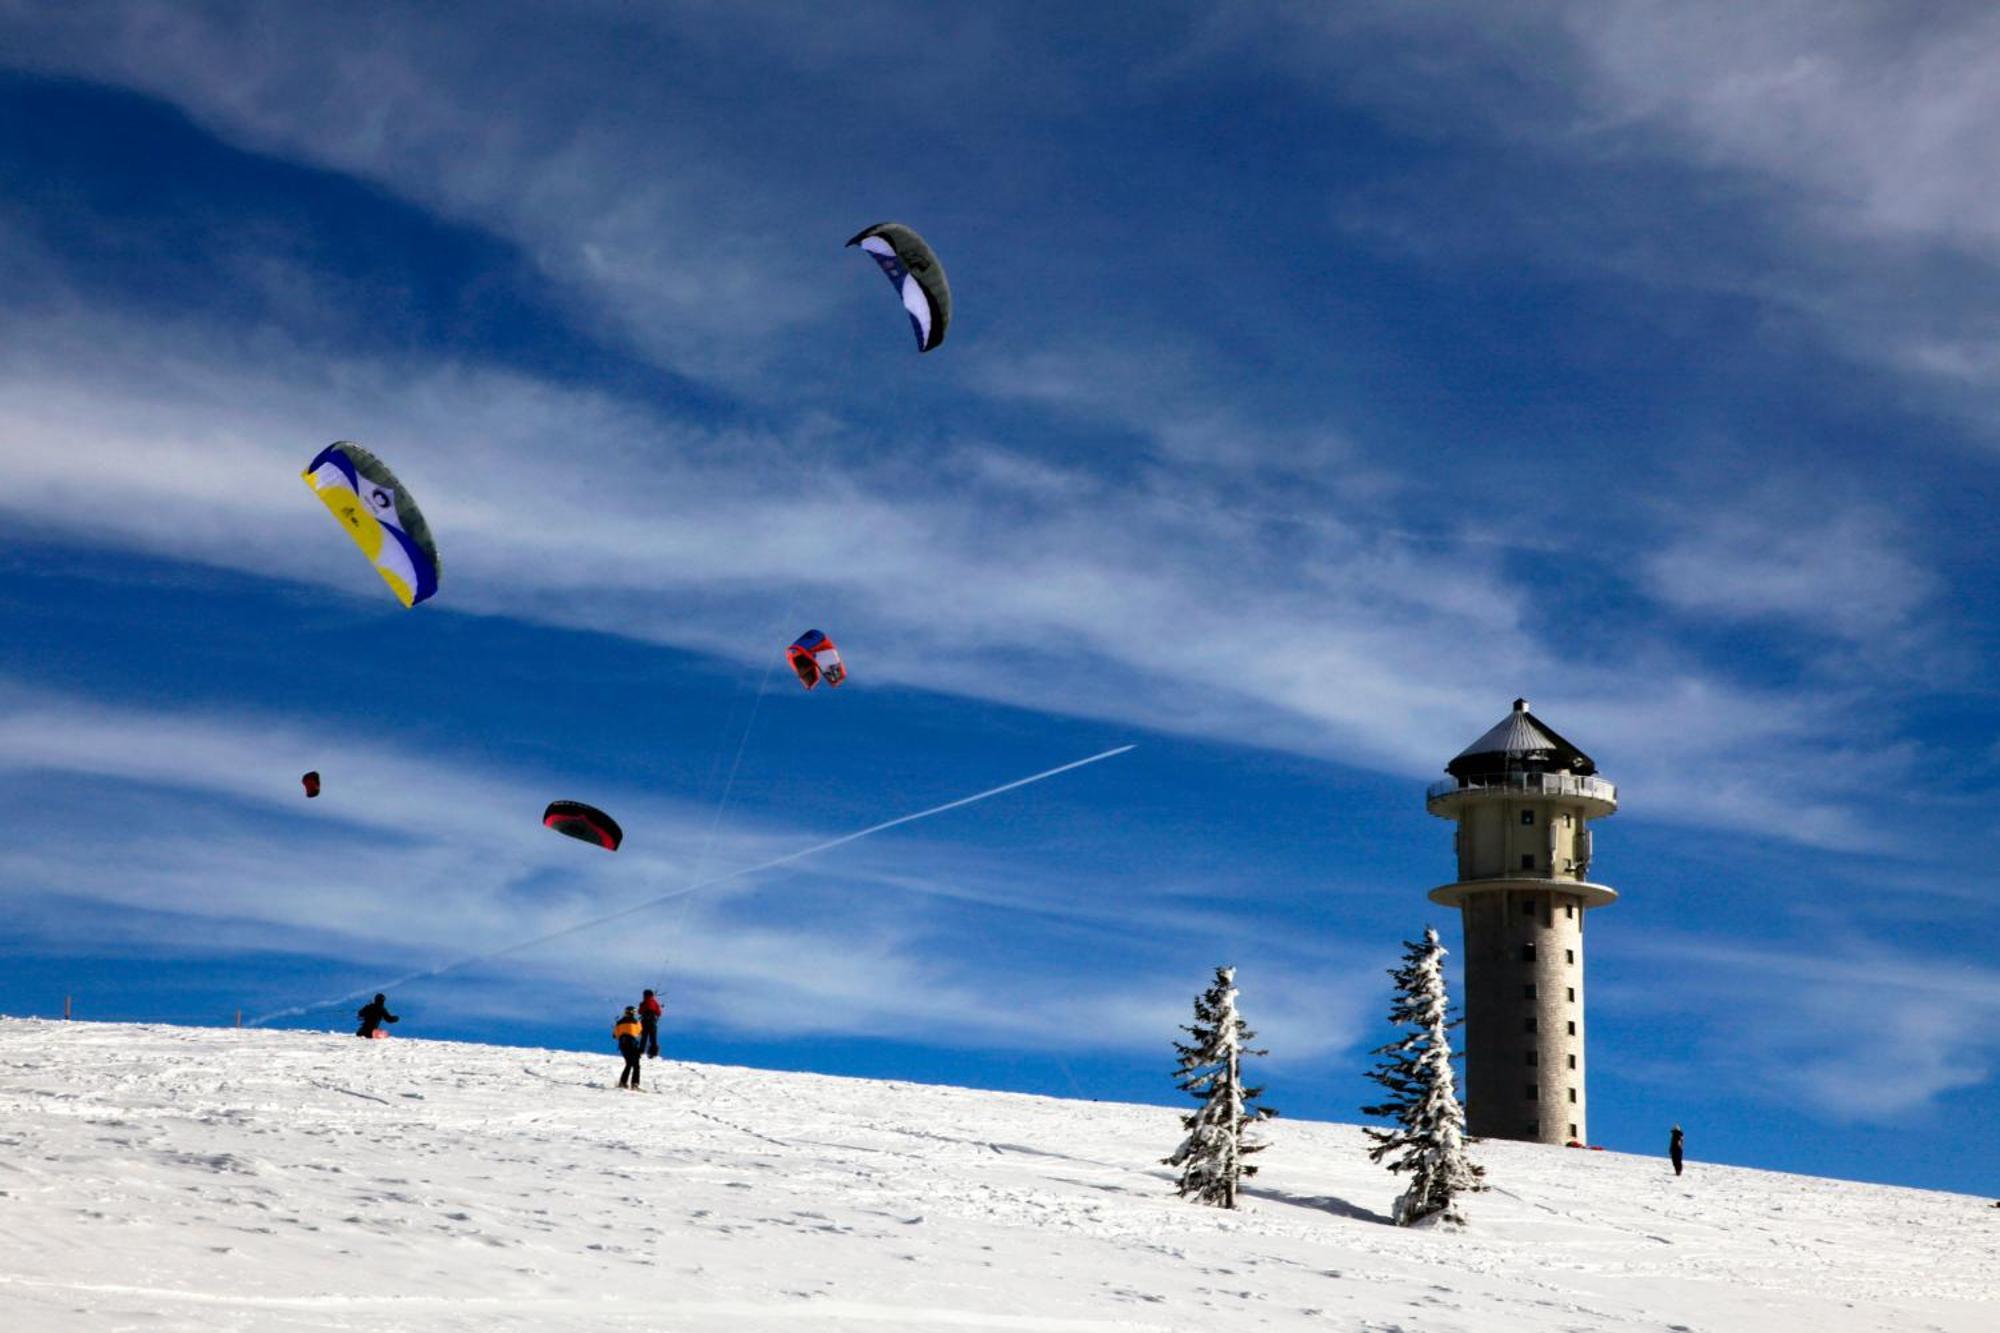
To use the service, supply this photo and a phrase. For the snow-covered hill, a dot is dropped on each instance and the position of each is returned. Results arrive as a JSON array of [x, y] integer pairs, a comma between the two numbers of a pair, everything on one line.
[[180, 1178]]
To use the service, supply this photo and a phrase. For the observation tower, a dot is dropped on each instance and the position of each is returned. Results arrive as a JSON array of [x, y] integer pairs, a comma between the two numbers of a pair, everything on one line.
[[1523, 798]]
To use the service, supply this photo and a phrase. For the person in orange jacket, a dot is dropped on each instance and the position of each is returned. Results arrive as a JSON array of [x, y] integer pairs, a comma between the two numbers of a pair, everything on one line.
[[649, 1024], [626, 1029]]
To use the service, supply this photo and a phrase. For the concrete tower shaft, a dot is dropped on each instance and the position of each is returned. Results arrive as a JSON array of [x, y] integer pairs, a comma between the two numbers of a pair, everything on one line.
[[1523, 799]]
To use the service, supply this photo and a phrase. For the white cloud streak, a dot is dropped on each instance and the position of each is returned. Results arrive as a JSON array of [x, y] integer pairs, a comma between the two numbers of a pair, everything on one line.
[[597, 168], [1860, 1033], [1880, 118], [1835, 153], [1843, 571], [412, 859], [1158, 603]]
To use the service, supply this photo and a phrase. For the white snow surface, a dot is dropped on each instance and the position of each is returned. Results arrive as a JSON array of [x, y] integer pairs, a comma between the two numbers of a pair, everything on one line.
[[220, 1179]]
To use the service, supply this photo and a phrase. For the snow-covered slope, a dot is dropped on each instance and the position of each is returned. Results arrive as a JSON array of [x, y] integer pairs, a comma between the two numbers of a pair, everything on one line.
[[155, 1177]]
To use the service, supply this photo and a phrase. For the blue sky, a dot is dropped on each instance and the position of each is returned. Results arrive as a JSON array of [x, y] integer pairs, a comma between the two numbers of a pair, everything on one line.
[[1321, 378]]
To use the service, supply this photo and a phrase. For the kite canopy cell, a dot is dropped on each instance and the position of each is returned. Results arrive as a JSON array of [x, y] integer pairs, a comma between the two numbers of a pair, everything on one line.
[[913, 270], [815, 659], [311, 781], [585, 823], [359, 489]]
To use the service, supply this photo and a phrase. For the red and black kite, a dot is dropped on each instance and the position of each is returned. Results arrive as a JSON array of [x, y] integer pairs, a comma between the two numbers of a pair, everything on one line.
[[585, 823]]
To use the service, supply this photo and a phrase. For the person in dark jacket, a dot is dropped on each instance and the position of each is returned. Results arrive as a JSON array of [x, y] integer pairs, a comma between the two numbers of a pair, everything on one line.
[[1674, 1149], [649, 1025], [373, 1015], [626, 1030]]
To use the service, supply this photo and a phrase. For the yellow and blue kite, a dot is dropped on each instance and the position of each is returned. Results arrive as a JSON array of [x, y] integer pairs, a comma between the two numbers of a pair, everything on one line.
[[359, 489]]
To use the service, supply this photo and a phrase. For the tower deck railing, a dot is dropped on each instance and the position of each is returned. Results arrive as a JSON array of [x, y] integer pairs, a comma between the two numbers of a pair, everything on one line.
[[1545, 784]]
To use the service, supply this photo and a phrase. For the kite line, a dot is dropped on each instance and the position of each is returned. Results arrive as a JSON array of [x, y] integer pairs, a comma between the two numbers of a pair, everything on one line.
[[655, 901], [728, 786]]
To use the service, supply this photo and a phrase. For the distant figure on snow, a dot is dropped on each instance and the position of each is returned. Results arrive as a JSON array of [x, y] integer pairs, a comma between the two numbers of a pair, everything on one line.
[[373, 1015], [649, 1022], [627, 1030], [1674, 1149]]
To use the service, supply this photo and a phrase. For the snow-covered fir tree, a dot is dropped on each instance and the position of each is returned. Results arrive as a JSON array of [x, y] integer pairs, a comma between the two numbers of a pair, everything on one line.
[[1429, 1138], [1211, 1069]]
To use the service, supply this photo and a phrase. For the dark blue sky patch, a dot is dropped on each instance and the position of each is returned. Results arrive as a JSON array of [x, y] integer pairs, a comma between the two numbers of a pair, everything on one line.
[[139, 208]]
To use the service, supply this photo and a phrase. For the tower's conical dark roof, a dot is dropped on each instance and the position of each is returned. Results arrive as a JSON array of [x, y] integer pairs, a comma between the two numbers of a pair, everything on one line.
[[1523, 741]]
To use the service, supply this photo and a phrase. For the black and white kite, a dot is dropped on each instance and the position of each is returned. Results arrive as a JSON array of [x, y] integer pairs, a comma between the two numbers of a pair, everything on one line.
[[913, 269]]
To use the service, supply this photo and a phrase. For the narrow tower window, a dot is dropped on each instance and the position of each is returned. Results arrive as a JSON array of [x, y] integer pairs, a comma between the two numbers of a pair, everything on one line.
[[1527, 816], [1572, 1131], [1572, 1062], [1572, 995], [1572, 1094], [1527, 860], [1569, 955], [1572, 1027], [1528, 952], [1569, 909], [1528, 1023]]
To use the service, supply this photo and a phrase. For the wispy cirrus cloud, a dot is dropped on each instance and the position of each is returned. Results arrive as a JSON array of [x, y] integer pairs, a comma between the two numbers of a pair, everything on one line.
[[1824, 163], [1333, 638], [1860, 1031], [658, 222], [1832, 569], [1874, 124], [413, 860], [1881, 119]]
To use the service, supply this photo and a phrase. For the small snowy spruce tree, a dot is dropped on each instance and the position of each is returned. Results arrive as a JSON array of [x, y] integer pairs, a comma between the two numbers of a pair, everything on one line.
[[1211, 1070], [1429, 1137]]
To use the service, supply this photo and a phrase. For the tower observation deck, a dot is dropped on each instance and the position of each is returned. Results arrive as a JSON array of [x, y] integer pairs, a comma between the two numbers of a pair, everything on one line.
[[1523, 798]]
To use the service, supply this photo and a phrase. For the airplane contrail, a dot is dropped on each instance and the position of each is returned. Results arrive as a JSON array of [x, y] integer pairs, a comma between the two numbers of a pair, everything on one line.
[[655, 901]]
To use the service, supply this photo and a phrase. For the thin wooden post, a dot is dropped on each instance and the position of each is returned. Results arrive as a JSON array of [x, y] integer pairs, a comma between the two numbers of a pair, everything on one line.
[[65, 1008], [239, 1018]]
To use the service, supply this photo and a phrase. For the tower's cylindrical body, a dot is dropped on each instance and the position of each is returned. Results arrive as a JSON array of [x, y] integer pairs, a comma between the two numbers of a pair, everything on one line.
[[1523, 799]]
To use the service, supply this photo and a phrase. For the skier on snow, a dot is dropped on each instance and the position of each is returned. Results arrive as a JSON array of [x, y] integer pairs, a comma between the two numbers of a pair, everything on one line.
[[649, 1024], [1674, 1149], [373, 1015], [627, 1030]]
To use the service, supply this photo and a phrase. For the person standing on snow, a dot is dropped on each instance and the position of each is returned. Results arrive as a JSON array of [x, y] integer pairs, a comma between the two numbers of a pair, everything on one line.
[[649, 1023], [1674, 1149], [627, 1029], [373, 1015]]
